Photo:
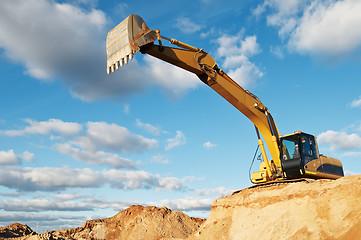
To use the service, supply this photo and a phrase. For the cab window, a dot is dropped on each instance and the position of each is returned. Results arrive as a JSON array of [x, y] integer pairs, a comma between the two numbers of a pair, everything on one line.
[[309, 150], [290, 149]]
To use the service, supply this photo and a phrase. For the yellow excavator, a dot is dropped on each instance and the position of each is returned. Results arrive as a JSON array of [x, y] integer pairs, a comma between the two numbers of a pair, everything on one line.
[[294, 156]]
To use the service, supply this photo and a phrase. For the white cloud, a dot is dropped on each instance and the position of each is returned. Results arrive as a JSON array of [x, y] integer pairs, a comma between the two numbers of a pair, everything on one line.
[[45, 128], [286, 7], [87, 146], [277, 51], [220, 191], [284, 15], [208, 145], [58, 33], [140, 179], [85, 3], [235, 61], [351, 154], [69, 196], [130, 179], [113, 137], [38, 205], [60, 178], [192, 179], [42, 222], [126, 109], [27, 156], [148, 128], [178, 140], [187, 204], [308, 26], [229, 45], [97, 157], [160, 159], [249, 46], [9, 158], [356, 103], [174, 81], [62, 41], [322, 21], [349, 173], [30, 217], [169, 183], [259, 10], [340, 140], [236, 51], [209, 32], [246, 75], [49, 179], [187, 26]]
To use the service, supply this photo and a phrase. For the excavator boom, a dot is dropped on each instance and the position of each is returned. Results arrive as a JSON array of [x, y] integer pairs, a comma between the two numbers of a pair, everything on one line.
[[133, 35]]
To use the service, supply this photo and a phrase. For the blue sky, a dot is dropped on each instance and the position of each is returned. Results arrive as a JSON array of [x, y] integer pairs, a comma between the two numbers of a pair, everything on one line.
[[77, 144]]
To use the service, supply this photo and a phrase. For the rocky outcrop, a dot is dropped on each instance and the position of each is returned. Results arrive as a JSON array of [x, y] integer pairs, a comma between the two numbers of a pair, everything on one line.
[[15, 230], [322, 209]]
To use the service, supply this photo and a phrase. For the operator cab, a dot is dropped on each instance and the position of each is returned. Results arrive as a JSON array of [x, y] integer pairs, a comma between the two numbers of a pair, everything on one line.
[[300, 158]]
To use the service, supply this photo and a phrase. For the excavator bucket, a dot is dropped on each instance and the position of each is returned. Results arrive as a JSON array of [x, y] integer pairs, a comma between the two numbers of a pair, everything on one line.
[[125, 40]]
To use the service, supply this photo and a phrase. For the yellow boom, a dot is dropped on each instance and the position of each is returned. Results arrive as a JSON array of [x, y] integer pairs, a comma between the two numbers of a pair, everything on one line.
[[133, 35]]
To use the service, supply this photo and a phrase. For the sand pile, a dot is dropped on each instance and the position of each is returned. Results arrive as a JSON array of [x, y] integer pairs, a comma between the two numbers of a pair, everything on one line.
[[322, 209]]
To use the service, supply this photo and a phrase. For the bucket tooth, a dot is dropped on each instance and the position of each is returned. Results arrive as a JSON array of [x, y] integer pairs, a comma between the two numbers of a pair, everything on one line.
[[126, 39], [121, 62], [117, 65]]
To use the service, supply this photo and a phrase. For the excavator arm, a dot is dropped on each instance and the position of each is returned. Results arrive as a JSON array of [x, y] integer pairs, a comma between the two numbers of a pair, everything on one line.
[[202, 64], [133, 35]]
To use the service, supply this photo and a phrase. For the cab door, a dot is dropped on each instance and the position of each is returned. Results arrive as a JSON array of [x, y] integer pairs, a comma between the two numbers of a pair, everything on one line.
[[309, 153], [291, 160]]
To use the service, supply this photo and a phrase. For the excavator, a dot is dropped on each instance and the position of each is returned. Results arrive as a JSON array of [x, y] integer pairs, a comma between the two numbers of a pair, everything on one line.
[[293, 156]]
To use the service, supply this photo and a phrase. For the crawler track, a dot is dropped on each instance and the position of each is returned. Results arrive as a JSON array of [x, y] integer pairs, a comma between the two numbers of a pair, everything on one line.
[[277, 183]]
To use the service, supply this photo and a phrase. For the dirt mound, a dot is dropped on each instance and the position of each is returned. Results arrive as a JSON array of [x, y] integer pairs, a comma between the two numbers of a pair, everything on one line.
[[135, 222], [15, 230], [138, 222], [322, 209]]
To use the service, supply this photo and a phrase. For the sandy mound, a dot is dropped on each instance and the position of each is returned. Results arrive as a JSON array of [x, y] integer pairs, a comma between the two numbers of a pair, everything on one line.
[[138, 222], [135, 222], [323, 209]]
